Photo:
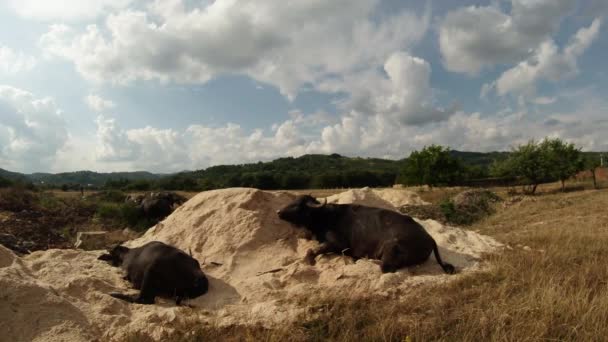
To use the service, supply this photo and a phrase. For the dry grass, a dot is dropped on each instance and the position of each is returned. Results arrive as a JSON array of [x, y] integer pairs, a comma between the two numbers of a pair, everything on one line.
[[551, 284]]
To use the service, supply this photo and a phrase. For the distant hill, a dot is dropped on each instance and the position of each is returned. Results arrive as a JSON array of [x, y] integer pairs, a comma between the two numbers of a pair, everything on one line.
[[13, 176], [311, 170], [89, 177], [78, 177]]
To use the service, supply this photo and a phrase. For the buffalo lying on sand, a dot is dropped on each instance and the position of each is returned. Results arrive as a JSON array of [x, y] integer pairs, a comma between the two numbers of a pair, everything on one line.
[[360, 231], [157, 269]]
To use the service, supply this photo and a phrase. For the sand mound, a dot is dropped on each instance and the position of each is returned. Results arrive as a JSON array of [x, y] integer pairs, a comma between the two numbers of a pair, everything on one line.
[[379, 198], [31, 310], [252, 258]]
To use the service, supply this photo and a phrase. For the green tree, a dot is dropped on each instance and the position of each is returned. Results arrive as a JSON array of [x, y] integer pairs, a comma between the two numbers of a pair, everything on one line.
[[535, 163], [591, 163], [4, 182], [433, 165], [528, 163], [564, 158]]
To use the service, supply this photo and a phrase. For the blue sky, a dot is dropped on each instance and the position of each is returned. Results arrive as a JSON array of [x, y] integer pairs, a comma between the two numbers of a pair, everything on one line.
[[171, 85]]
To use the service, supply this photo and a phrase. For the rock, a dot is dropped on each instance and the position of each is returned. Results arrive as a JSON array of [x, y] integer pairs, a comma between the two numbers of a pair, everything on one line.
[[15, 244], [101, 239]]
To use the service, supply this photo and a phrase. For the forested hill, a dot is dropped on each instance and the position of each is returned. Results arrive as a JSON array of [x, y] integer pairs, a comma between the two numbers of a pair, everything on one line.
[[95, 179], [308, 171], [312, 170]]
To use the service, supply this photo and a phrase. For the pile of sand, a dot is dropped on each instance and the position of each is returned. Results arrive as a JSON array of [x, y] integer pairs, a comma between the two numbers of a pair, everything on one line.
[[252, 258], [380, 198]]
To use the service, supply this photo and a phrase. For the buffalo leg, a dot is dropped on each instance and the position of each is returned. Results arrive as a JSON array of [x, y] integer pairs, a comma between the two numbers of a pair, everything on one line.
[[391, 257], [312, 253], [147, 292], [124, 297]]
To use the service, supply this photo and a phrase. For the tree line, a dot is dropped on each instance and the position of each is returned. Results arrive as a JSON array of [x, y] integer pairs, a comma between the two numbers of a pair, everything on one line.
[[528, 165]]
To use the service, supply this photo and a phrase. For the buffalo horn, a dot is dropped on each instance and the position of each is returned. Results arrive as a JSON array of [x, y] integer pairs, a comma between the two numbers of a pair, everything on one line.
[[320, 205]]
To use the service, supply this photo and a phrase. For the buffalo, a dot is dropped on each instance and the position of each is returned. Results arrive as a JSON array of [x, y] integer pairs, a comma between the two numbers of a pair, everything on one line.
[[363, 232], [158, 269]]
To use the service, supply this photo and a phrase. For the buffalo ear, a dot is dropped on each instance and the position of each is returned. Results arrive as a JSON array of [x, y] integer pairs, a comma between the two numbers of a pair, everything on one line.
[[105, 257]]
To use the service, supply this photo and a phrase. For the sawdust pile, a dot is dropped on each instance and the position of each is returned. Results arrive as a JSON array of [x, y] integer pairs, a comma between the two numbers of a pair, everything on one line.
[[252, 258]]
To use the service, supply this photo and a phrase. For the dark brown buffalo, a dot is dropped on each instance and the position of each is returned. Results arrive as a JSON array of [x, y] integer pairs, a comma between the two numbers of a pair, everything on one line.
[[157, 269], [363, 232]]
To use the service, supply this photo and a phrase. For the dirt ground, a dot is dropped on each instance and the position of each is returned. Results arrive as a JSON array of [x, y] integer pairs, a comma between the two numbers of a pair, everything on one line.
[[45, 228]]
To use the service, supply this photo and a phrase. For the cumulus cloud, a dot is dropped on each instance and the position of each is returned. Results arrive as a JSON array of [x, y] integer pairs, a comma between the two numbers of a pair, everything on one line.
[[401, 90], [547, 63], [13, 62], [31, 130], [286, 44], [353, 134], [97, 103], [476, 37], [197, 146], [64, 9]]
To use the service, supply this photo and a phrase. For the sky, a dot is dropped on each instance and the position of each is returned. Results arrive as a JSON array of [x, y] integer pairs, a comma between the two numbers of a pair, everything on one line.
[[172, 85]]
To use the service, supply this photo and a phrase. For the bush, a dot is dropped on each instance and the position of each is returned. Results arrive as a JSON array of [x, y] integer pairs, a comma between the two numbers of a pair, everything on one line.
[[16, 199], [5, 183], [50, 202], [108, 211], [123, 215], [114, 196], [468, 207]]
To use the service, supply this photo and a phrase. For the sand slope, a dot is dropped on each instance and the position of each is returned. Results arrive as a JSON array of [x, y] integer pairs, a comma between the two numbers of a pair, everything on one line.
[[252, 258]]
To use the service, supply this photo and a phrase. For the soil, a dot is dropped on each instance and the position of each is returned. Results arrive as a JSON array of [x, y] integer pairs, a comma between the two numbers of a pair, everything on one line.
[[42, 229]]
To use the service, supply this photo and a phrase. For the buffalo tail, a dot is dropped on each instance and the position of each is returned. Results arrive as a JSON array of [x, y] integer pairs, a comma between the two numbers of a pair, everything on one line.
[[447, 268]]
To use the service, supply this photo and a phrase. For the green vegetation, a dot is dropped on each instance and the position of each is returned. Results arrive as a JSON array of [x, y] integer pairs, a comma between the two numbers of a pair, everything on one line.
[[434, 166], [121, 214], [591, 163], [541, 162], [4, 182]]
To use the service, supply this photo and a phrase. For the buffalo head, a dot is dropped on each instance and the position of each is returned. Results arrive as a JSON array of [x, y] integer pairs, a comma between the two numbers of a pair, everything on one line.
[[300, 210], [115, 255]]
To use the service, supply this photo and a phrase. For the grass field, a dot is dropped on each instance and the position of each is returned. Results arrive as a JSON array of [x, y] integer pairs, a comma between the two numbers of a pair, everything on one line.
[[549, 284]]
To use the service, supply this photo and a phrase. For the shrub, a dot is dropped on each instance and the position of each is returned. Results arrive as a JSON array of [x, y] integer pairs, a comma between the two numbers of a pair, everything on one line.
[[50, 202], [114, 196], [16, 199], [123, 215]]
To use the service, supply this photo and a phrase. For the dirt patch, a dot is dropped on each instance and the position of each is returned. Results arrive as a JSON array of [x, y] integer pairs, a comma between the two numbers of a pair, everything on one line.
[[43, 229], [253, 261]]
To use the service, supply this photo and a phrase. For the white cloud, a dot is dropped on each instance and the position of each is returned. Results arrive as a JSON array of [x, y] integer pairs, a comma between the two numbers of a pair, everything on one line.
[[543, 100], [198, 146], [547, 63], [33, 136], [31, 130], [65, 9], [401, 90], [476, 37], [286, 44], [354, 134], [113, 143], [97, 103], [13, 62]]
